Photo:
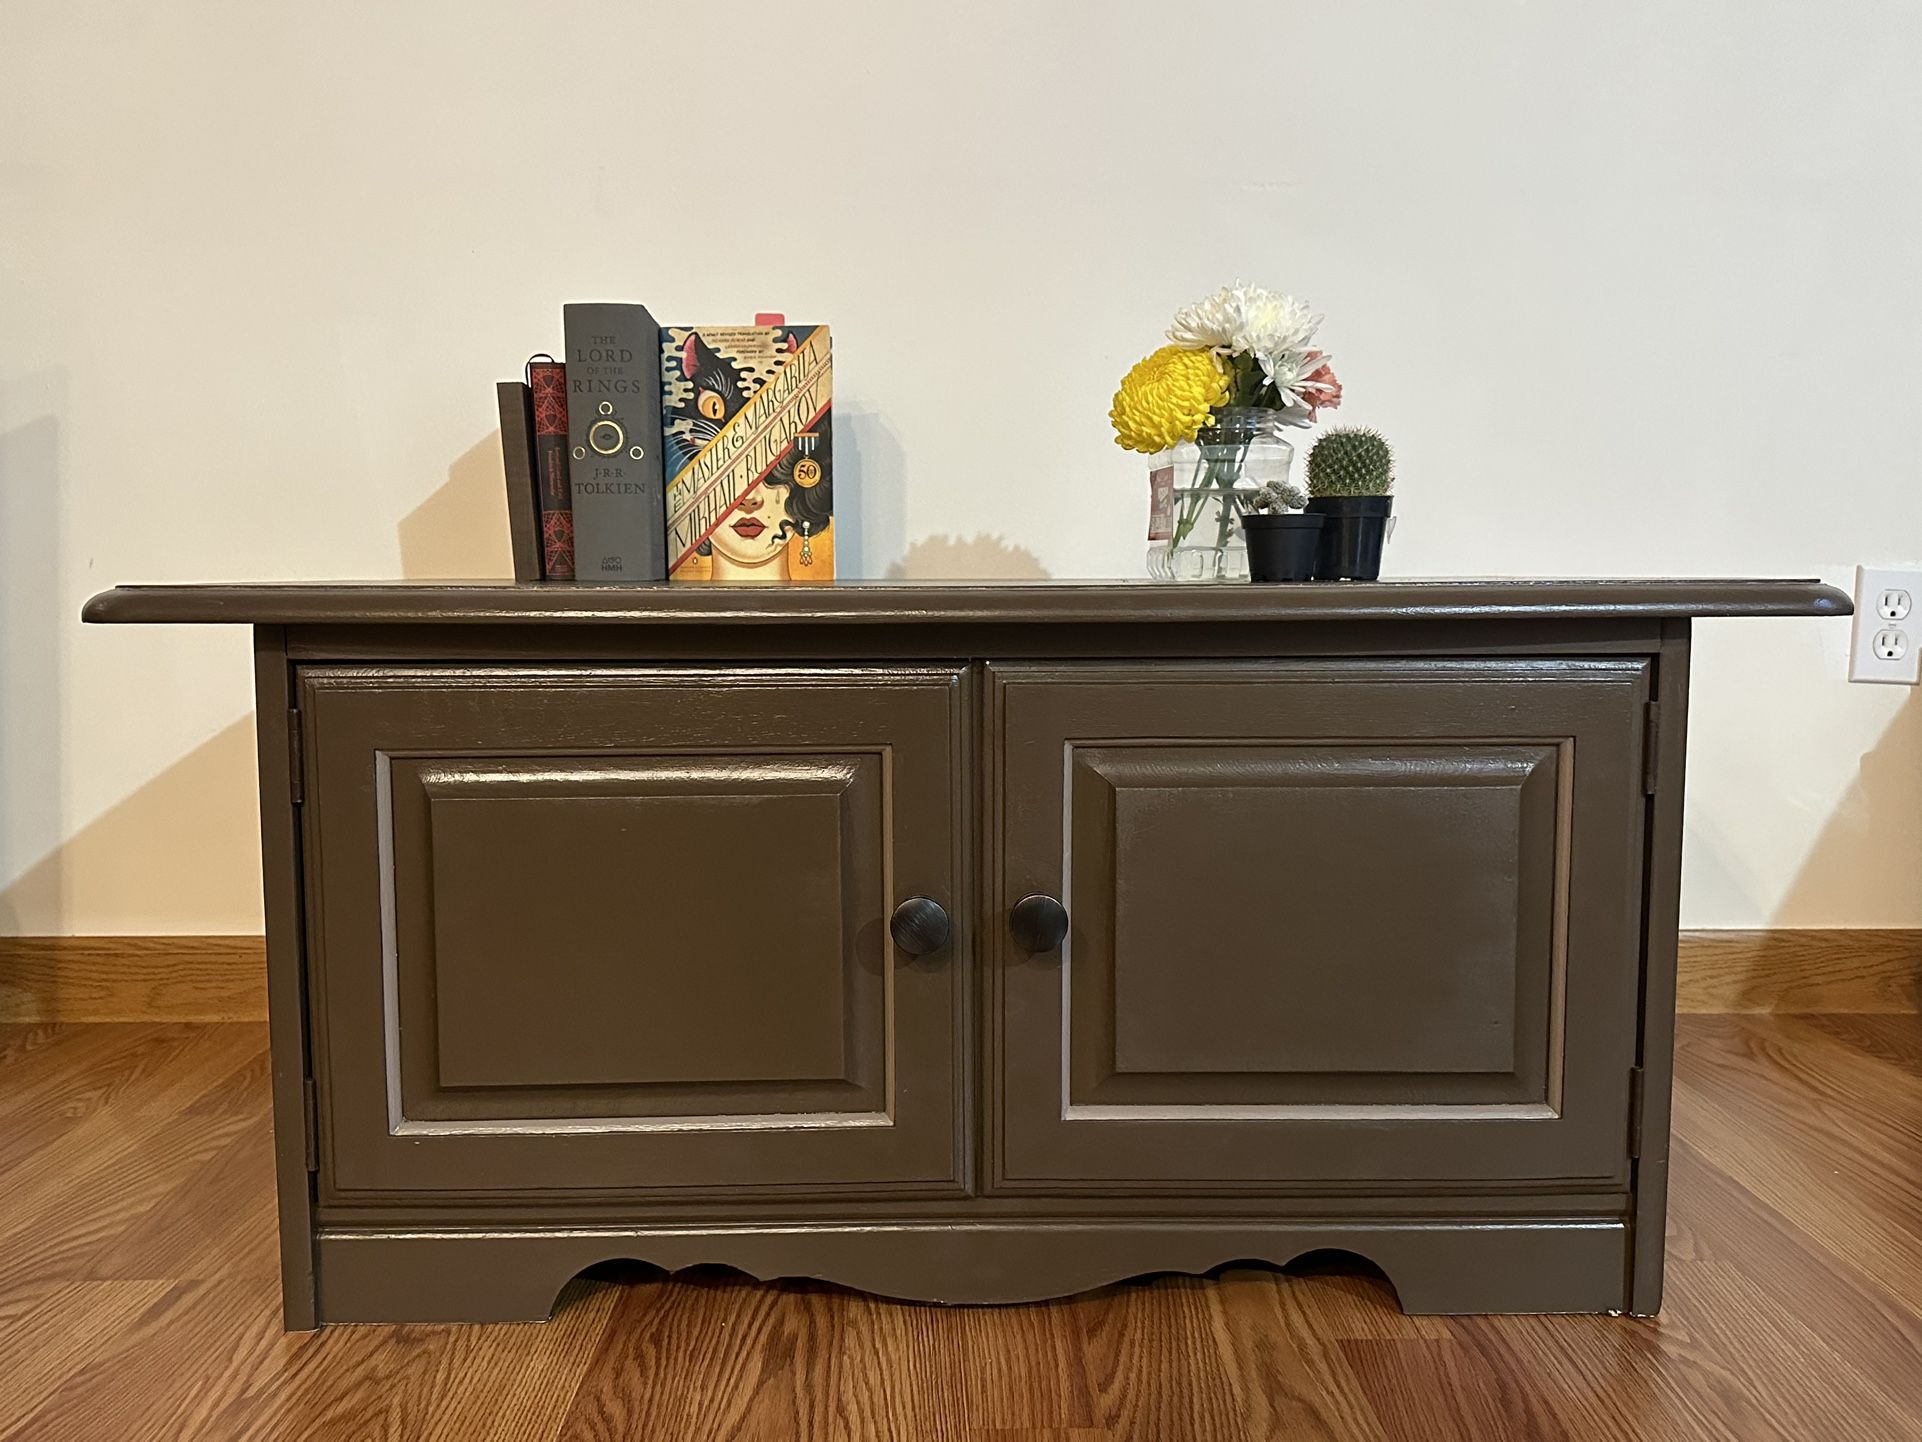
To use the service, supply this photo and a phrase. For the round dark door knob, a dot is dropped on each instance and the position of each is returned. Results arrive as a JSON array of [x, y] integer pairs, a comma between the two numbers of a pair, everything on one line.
[[1038, 922], [919, 926]]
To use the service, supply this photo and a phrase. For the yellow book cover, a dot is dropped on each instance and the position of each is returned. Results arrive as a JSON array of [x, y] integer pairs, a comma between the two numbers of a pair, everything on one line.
[[749, 453]]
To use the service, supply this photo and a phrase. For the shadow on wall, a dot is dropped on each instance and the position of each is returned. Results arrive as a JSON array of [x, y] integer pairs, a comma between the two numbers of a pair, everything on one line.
[[459, 533], [870, 484], [967, 558], [1879, 816], [167, 854]]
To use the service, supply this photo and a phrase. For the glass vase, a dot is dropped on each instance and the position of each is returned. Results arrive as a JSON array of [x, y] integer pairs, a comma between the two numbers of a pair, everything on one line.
[[1214, 475]]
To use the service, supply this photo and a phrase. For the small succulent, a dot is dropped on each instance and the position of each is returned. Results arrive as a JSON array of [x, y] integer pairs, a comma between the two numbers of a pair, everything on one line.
[[1351, 461], [1274, 498]]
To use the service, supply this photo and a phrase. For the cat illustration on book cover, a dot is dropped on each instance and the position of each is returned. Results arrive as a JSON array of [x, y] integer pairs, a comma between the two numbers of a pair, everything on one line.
[[749, 453]]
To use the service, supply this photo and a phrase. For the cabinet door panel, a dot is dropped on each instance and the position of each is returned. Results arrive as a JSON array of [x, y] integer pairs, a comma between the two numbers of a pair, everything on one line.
[[627, 929], [1350, 922]]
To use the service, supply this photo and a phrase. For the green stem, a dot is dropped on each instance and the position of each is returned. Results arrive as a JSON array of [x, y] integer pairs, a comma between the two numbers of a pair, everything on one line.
[[1191, 511]]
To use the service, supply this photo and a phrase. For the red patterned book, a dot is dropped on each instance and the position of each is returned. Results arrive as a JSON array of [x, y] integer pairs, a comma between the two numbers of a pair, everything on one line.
[[547, 378]]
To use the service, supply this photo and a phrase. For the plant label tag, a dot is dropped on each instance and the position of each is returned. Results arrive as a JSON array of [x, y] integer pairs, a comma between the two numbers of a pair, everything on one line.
[[1161, 502]]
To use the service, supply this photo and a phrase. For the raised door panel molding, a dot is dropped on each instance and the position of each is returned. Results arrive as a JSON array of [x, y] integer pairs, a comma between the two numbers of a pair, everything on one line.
[[1434, 873], [648, 935]]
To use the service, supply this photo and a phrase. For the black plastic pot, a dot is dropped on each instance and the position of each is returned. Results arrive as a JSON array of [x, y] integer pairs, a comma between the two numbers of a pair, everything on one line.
[[1281, 548], [1349, 548]]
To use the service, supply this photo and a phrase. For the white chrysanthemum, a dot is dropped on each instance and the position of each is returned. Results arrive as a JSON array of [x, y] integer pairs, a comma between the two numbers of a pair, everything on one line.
[[1245, 320], [1288, 372]]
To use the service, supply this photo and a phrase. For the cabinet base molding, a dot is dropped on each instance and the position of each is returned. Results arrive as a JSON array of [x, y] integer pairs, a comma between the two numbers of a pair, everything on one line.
[[1435, 1266]]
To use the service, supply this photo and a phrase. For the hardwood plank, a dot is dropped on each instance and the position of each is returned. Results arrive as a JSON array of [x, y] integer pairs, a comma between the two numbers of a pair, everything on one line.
[[1723, 1222], [23, 1137], [1154, 1367], [146, 1064], [78, 1069], [1770, 1368], [250, 1088], [1425, 1388], [218, 1221], [133, 978], [172, 1370], [1839, 1159], [22, 1039], [215, 1059], [1286, 1383], [933, 1373], [93, 1182], [711, 1355], [425, 1383], [1603, 1377], [904, 1371], [1023, 1366], [1851, 969], [44, 1344], [1894, 1039]]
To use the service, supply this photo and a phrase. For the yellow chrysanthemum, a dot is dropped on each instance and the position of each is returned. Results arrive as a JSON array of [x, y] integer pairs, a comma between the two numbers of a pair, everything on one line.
[[1167, 398]]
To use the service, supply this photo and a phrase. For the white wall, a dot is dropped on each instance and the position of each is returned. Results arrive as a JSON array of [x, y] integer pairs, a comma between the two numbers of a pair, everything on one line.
[[1633, 287]]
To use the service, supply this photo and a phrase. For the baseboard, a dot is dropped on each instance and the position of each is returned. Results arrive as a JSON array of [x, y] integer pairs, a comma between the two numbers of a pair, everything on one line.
[[133, 978], [223, 978], [1845, 969]]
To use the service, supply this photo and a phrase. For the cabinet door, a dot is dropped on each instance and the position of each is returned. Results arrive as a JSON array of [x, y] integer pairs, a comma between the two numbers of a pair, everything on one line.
[[593, 929], [1330, 922]]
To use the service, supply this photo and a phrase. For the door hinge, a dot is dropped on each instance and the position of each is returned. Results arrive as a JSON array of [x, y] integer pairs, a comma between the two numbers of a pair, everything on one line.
[[296, 757], [1635, 1091], [1652, 748], [310, 1124]]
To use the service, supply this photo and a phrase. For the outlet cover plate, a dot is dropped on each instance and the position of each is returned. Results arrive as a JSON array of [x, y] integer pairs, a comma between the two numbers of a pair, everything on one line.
[[1887, 642]]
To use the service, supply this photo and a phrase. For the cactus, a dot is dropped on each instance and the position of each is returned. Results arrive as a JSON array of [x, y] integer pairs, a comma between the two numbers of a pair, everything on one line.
[[1351, 461], [1274, 499]]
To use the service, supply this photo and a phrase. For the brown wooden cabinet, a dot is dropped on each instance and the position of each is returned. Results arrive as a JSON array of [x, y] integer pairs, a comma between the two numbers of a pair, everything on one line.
[[973, 943]]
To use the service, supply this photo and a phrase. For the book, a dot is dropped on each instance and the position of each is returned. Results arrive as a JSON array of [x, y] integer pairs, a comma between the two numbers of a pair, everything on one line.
[[517, 462], [614, 442], [547, 380], [750, 452]]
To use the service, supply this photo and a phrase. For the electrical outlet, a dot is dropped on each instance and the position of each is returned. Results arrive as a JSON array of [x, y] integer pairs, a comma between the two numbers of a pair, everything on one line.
[[1888, 635]]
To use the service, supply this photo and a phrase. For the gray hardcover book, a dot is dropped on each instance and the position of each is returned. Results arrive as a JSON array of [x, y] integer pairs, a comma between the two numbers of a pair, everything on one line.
[[614, 439]]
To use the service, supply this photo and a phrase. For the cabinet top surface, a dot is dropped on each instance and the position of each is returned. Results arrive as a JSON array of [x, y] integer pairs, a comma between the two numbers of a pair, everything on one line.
[[999, 602]]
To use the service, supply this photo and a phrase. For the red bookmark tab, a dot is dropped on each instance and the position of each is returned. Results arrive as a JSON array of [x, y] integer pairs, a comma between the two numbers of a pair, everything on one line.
[[769, 318]]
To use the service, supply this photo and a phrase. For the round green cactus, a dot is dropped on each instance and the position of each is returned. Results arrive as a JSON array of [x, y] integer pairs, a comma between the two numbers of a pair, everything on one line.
[[1351, 461]]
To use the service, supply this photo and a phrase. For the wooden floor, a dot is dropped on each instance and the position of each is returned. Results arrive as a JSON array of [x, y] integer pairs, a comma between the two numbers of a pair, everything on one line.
[[138, 1295]]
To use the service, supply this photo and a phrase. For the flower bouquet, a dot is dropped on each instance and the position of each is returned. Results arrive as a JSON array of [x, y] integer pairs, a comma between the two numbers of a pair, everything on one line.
[[1242, 367]]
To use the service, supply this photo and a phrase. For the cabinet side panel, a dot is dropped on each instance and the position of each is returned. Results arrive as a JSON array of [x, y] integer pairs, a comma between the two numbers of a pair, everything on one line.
[[286, 988], [1662, 903]]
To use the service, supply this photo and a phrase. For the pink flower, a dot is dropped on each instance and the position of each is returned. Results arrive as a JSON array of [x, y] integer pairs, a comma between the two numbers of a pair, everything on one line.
[[1320, 388]]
